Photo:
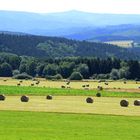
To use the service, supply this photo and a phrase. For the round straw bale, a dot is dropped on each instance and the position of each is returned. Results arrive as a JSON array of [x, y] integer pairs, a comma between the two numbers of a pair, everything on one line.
[[83, 86], [49, 97], [24, 98], [98, 94], [2, 97], [32, 84], [18, 84], [137, 102], [100, 88], [63, 87], [124, 103], [89, 100]]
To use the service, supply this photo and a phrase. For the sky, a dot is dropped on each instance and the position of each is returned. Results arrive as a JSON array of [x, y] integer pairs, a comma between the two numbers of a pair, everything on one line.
[[94, 6]]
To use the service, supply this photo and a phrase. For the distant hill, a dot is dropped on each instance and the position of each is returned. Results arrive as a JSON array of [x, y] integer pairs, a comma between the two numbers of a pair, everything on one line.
[[109, 33], [52, 47], [71, 24]]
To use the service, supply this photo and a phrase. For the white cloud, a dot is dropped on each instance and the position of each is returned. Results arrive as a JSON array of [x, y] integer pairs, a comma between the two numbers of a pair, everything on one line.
[[96, 6]]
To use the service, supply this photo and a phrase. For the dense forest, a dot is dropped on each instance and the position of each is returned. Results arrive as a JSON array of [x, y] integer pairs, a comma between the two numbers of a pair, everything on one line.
[[54, 47], [75, 68]]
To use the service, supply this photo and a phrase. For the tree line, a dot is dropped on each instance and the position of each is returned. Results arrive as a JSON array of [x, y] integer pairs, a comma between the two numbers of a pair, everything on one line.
[[82, 67]]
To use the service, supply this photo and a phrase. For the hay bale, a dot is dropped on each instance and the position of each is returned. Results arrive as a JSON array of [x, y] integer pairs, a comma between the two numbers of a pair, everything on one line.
[[89, 100], [63, 87], [98, 94], [18, 84], [49, 97], [83, 86], [124, 103], [24, 98], [106, 84], [2, 97], [137, 102], [32, 84], [124, 82], [100, 88], [68, 83], [37, 82]]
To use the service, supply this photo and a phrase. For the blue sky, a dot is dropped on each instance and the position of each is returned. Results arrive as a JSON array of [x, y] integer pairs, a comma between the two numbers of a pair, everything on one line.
[[95, 6]]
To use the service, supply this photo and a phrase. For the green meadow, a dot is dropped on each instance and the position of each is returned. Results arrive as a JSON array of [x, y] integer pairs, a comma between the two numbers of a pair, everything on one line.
[[15, 90], [59, 126]]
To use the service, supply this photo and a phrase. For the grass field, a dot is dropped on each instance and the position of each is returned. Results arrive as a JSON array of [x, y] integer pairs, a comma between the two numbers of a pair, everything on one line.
[[15, 90], [68, 116], [71, 104], [56, 126]]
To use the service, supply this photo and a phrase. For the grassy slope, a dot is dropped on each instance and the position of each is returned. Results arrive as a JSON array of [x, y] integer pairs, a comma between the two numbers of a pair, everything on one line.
[[14, 90], [55, 126]]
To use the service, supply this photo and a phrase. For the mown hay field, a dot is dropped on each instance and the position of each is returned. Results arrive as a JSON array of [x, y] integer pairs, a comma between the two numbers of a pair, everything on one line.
[[118, 85], [71, 104]]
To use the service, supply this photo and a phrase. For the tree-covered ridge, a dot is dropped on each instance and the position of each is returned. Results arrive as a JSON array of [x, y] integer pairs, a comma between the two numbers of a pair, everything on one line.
[[68, 67], [52, 47]]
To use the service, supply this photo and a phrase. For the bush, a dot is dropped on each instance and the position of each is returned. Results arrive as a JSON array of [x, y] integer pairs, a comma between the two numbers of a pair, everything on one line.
[[16, 72], [55, 77], [23, 76], [76, 76], [137, 79], [114, 74]]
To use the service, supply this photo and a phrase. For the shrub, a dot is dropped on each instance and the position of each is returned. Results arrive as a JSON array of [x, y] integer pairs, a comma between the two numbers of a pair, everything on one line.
[[55, 77], [137, 79], [114, 74], [23, 76], [103, 76], [16, 72], [76, 76]]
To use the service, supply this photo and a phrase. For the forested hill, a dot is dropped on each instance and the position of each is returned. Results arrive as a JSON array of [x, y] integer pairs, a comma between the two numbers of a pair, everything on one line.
[[41, 46]]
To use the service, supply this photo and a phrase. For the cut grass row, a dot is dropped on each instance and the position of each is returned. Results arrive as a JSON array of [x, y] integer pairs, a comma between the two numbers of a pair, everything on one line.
[[14, 90], [58, 126]]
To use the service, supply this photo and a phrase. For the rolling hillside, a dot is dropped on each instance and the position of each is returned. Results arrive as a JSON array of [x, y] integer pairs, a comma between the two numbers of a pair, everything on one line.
[[42, 46]]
